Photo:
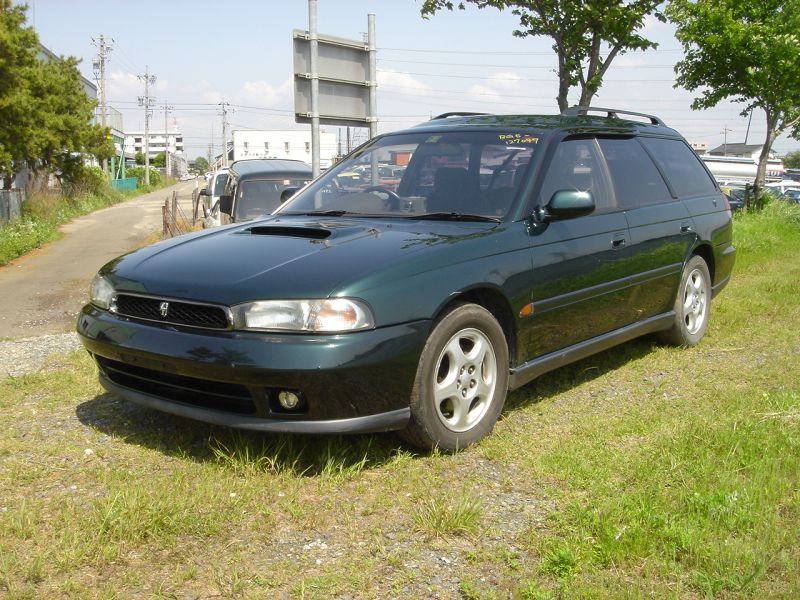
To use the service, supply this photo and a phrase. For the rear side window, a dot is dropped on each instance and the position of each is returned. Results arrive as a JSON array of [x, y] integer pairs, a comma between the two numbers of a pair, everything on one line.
[[636, 179], [681, 166]]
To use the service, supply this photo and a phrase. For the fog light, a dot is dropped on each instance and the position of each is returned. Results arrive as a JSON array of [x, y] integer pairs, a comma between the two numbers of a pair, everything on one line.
[[288, 400]]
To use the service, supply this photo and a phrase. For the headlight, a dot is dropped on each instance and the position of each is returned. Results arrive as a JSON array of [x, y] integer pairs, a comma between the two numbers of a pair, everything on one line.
[[101, 292], [334, 315]]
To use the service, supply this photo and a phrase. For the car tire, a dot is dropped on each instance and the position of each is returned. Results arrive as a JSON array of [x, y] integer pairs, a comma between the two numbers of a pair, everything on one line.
[[461, 381], [692, 305]]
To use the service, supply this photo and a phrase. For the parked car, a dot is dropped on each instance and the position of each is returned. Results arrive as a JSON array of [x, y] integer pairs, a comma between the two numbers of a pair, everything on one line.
[[792, 194], [735, 196], [781, 186], [254, 187], [367, 309]]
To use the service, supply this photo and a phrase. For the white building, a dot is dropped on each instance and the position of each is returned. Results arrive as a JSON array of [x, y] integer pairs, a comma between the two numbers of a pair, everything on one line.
[[282, 144], [173, 140]]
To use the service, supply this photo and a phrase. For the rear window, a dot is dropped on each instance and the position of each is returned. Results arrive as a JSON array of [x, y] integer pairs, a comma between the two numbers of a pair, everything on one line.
[[681, 166], [257, 197]]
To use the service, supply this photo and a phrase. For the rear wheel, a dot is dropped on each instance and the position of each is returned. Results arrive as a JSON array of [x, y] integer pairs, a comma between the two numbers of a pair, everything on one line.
[[461, 381], [692, 305]]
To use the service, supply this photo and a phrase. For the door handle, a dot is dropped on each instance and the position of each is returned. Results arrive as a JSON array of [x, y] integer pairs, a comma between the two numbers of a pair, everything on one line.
[[619, 242], [686, 227]]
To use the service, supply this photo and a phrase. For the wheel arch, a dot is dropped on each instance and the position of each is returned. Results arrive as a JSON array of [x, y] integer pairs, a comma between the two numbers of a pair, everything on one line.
[[705, 252], [497, 304]]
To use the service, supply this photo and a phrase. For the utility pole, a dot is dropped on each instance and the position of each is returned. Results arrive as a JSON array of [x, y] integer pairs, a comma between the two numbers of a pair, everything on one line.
[[313, 40], [373, 76], [99, 67], [167, 109], [146, 101], [224, 106], [725, 131]]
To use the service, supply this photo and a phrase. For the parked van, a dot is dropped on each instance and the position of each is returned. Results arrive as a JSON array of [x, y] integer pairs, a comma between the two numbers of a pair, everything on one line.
[[210, 196], [254, 187]]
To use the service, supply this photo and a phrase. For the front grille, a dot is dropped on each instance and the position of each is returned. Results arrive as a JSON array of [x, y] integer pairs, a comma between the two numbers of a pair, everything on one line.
[[215, 395], [177, 313]]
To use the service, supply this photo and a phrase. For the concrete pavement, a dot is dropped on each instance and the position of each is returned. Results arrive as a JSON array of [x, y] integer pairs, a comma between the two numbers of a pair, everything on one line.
[[42, 292]]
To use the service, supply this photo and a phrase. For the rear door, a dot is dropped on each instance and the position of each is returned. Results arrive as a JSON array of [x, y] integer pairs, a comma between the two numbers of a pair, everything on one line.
[[661, 229]]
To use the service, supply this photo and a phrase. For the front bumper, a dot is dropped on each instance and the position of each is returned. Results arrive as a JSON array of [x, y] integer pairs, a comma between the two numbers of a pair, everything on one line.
[[358, 382]]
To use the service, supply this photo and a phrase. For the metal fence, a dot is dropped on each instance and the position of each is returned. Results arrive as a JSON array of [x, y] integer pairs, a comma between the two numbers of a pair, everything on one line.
[[176, 222], [124, 185], [11, 205]]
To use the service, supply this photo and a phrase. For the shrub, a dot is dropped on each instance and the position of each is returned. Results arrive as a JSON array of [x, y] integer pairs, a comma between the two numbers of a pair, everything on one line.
[[138, 172]]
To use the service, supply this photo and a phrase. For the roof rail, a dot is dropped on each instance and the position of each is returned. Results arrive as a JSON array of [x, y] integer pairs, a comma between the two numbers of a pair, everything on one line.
[[611, 113], [458, 114]]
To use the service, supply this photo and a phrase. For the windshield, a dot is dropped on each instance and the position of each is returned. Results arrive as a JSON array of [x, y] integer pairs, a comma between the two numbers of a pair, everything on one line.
[[262, 196], [415, 174]]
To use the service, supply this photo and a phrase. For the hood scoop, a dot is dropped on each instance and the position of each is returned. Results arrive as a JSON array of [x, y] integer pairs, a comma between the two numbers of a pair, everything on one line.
[[309, 233]]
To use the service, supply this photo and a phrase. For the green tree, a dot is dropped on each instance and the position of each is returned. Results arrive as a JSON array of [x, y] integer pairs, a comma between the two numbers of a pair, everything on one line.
[[139, 158], [45, 116], [746, 51], [201, 164], [159, 160], [17, 57], [792, 160], [580, 32]]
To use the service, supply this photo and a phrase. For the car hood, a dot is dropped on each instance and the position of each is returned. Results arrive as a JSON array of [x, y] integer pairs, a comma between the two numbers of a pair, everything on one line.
[[291, 257]]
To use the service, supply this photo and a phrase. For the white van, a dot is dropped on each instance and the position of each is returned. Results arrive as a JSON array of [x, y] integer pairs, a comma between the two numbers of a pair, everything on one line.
[[210, 197]]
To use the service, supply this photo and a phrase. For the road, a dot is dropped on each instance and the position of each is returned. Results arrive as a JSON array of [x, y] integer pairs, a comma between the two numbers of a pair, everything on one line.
[[42, 292]]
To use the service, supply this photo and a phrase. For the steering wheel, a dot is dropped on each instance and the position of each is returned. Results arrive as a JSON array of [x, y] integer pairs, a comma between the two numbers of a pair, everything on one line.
[[393, 198]]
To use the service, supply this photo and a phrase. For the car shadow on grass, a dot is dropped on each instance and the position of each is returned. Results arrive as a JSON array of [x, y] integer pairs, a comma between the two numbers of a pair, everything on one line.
[[310, 455], [551, 384], [238, 450]]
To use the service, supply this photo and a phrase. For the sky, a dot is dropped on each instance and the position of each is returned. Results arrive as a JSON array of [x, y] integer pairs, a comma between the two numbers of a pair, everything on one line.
[[203, 53]]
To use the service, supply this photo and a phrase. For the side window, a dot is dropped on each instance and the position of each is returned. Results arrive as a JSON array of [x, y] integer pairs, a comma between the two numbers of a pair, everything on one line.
[[577, 166], [681, 166], [635, 178]]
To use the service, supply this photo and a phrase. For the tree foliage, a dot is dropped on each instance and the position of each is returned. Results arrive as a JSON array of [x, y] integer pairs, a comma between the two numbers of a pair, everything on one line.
[[45, 115], [587, 36], [201, 164], [746, 51], [159, 160], [792, 160]]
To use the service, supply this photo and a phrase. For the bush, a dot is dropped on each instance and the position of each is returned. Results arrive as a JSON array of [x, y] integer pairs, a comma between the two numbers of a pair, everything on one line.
[[138, 172]]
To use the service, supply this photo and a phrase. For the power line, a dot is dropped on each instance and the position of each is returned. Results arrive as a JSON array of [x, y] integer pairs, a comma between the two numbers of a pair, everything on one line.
[[498, 53], [506, 66], [637, 80]]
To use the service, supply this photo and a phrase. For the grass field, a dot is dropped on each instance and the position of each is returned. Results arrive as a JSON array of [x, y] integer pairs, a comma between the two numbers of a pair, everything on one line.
[[642, 471]]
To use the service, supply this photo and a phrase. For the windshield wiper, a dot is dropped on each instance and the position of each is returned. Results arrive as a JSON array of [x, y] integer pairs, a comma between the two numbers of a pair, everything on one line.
[[454, 216]]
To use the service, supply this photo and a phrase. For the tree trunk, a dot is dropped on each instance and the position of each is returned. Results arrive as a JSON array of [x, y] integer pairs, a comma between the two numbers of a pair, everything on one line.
[[563, 82], [761, 172]]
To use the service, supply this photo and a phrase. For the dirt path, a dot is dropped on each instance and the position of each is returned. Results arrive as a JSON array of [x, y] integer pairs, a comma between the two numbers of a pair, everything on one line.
[[42, 292]]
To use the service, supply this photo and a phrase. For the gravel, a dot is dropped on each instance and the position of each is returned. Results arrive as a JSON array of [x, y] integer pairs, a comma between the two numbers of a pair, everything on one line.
[[29, 355]]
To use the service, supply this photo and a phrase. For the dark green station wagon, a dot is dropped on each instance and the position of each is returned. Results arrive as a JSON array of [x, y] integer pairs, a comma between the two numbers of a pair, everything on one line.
[[512, 245]]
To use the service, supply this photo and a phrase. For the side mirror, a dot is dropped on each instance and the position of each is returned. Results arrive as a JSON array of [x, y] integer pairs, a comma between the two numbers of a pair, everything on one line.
[[288, 193], [226, 204], [568, 204], [204, 192]]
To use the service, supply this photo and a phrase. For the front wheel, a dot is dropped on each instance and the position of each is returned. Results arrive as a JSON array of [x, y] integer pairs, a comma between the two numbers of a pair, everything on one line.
[[692, 305], [461, 381]]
